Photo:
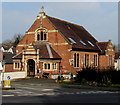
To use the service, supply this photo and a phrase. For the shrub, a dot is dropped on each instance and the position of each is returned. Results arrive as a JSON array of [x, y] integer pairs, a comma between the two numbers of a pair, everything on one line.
[[91, 74]]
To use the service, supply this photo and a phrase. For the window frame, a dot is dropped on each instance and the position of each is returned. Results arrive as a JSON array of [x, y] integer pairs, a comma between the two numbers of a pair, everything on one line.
[[17, 65], [49, 66], [110, 60], [42, 35], [87, 60], [54, 66], [76, 58], [95, 60]]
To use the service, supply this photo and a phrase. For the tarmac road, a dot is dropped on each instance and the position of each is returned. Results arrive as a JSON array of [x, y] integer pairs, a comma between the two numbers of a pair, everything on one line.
[[47, 91]]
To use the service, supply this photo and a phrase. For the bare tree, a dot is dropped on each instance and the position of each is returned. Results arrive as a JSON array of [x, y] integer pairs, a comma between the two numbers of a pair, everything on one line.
[[7, 44], [115, 47], [15, 40]]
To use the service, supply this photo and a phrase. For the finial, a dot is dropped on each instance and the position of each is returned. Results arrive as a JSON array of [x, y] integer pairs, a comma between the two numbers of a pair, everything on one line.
[[42, 9], [42, 13], [109, 40]]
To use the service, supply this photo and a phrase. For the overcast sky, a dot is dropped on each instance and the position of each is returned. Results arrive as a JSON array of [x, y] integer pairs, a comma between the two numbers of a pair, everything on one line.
[[99, 18]]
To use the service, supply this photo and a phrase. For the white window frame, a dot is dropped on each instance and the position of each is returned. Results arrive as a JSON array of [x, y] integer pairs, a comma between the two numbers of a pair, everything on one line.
[[51, 66], [39, 32], [17, 65], [77, 63], [95, 60], [54, 66], [110, 60], [87, 61]]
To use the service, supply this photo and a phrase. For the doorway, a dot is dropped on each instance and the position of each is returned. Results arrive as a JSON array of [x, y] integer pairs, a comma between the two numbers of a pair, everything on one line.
[[31, 68]]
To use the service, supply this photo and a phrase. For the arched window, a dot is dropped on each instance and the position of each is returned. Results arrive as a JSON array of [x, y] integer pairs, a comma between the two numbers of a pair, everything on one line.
[[87, 59], [41, 35], [45, 36], [76, 60], [38, 37]]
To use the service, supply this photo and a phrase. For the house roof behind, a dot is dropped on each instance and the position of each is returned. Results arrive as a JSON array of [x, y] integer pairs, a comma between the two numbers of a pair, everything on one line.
[[7, 57], [103, 46], [75, 34]]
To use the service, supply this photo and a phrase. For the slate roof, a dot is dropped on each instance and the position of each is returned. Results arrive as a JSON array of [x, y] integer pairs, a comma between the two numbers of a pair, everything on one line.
[[45, 52], [18, 56], [7, 57], [103, 46], [74, 33]]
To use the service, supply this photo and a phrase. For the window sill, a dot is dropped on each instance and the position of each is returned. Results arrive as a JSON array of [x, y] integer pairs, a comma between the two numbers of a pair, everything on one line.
[[42, 41]]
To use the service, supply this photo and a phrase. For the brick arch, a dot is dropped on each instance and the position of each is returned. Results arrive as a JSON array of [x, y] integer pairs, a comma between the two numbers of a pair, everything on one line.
[[37, 32]]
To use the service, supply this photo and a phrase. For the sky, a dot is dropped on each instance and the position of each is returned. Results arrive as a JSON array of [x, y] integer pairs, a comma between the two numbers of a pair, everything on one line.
[[100, 19]]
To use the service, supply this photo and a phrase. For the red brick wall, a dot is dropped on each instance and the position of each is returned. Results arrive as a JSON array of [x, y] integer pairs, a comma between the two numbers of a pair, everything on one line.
[[63, 48], [53, 37], [82, 59], [104, 59], [8, 67], [1, 55]]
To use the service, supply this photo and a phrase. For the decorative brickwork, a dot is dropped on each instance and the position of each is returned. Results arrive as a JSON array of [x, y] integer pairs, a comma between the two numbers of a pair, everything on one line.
[[55, 46]]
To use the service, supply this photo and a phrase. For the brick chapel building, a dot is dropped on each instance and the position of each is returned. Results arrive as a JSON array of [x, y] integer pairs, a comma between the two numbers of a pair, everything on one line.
[[55, 46]]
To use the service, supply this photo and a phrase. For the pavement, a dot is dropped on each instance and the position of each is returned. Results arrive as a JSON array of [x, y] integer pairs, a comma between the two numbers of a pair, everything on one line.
[[48, 91], [52, 83], [91, 87]]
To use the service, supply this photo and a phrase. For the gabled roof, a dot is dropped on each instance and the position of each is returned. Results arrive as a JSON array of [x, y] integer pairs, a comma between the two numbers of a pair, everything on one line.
[[46, 51], [103, 46], [18, 56], [75, 34], [12, 50]]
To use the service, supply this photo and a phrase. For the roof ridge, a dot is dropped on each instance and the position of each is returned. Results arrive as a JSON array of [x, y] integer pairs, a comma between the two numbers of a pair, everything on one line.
[[65, 21], [102, 42]]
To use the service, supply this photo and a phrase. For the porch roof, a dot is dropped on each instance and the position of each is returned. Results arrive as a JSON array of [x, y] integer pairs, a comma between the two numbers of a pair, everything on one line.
[[45, 52]]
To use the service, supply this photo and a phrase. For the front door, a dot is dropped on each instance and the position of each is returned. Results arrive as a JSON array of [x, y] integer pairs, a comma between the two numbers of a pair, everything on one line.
[[31, 67]]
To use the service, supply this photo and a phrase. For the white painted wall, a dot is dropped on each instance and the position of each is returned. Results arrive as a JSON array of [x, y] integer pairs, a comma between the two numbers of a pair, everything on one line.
[[14, 75], [0, 79], [117, 64], [64, 75]]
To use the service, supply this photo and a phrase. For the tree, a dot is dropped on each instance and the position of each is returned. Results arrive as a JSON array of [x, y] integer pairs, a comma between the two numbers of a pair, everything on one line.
[[15, 40], [115, 47], [7, 44]]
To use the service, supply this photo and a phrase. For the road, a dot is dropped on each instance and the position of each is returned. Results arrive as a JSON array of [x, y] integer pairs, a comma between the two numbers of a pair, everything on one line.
[[47, 91]]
